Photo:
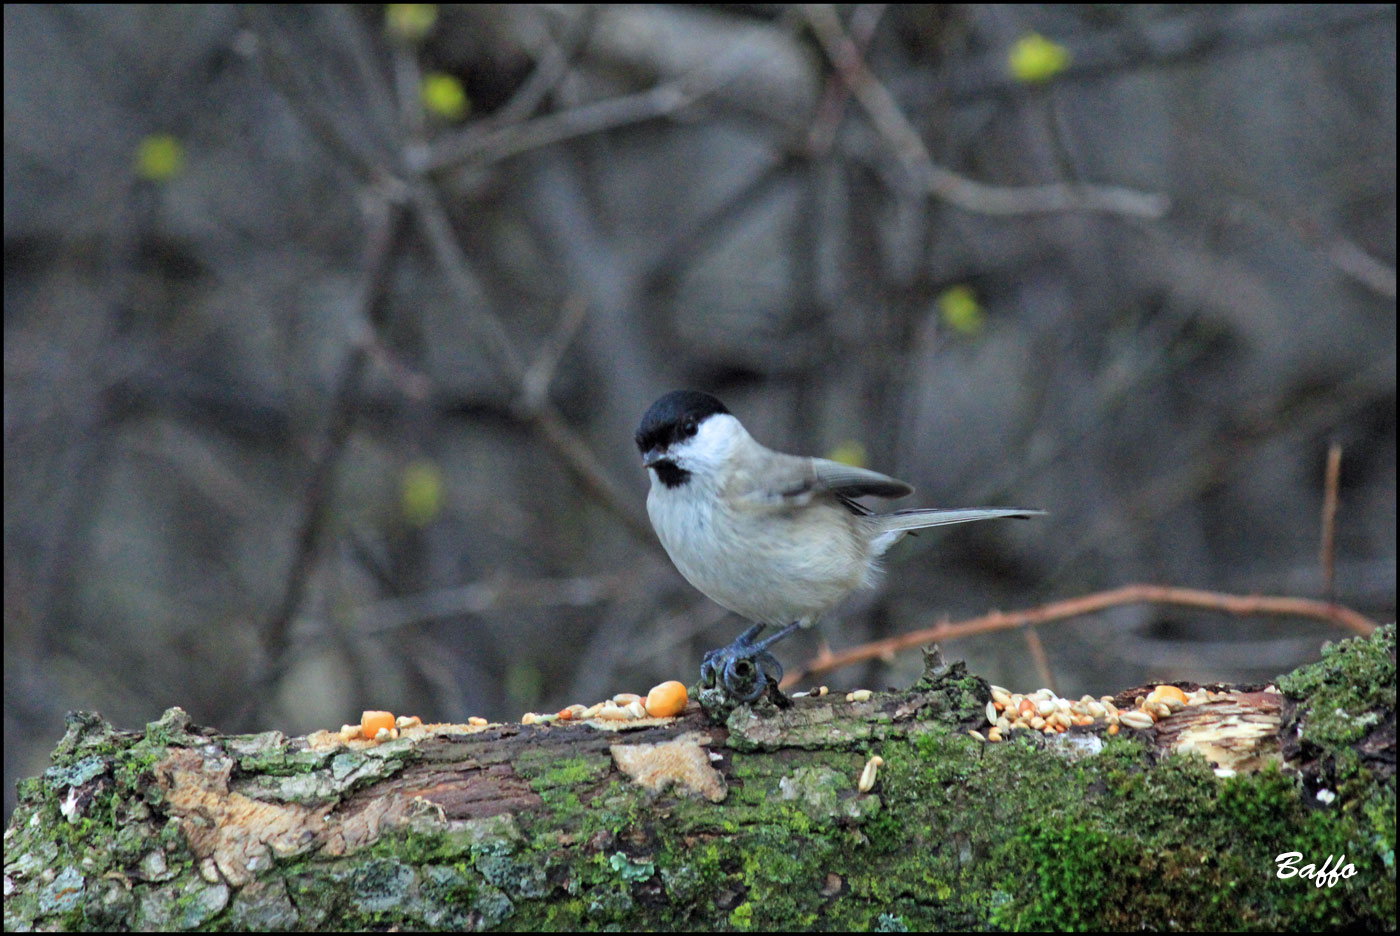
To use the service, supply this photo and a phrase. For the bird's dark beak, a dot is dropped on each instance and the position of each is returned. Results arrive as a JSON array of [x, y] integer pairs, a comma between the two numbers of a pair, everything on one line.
[[654, 457]]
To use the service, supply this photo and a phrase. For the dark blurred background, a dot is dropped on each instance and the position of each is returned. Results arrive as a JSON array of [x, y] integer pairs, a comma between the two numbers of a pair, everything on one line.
[[327, 330]]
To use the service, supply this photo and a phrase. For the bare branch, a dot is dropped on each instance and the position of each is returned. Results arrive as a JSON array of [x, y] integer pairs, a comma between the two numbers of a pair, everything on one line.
[[493, 145], [1336, 614], [579, 459], [541, 415], [432, 218], [383, 233], [551, 68], [1356, 263], [535, 383], [326, 124], [897, 132], [1039, 657], [832, 108], [1327, 552]]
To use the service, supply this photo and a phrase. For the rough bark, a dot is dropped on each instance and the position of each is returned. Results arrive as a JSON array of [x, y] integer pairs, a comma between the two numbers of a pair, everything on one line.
[[756, 822]]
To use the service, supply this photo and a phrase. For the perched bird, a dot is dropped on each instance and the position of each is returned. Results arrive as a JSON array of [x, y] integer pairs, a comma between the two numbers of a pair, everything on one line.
[[778, 539]]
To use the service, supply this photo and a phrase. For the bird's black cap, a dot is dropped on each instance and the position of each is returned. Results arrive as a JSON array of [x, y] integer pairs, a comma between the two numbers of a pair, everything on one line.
[[675, 416]]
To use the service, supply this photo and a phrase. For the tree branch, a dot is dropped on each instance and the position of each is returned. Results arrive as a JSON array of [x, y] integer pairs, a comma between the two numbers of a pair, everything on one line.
[[904, 141], [1336, 614]]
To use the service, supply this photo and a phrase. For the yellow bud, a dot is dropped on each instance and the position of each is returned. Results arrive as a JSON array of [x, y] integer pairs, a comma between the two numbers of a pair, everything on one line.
[[160, 157], [420, 491], [961, 311], [412, 22], [1033, 59], [444, 96]]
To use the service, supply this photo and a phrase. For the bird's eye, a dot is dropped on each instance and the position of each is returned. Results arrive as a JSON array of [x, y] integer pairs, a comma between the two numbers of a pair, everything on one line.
[[689, 426]]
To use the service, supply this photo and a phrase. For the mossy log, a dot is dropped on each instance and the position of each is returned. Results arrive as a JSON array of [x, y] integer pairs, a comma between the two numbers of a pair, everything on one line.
[[759, 822]]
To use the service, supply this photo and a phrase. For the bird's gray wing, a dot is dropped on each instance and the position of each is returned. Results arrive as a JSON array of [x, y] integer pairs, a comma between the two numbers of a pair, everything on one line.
[[789, 481], [850, 481]]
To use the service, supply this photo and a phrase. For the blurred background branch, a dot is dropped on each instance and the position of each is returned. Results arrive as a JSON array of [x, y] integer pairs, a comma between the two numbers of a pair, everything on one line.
[[901, 137]]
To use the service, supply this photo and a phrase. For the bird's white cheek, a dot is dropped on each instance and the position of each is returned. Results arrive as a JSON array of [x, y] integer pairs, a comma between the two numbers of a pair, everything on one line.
[[711, 447]]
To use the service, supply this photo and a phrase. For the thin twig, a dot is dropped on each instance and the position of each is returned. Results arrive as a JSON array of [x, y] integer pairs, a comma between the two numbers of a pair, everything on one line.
[[899, 134], [1039, 657], [465, 143], [1262, 421], [1361, 266], [579, 459], [1327, 551], [380, 239], [494, 145], [408, 85], [1345, 256], [551, 68], [535, 383], [539, 414], [822, 133], [1129, 594], [1192, 34], [315, 113], [433, 220]]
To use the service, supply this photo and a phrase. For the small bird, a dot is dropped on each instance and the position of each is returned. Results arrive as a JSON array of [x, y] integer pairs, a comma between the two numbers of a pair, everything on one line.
[[778, 539]]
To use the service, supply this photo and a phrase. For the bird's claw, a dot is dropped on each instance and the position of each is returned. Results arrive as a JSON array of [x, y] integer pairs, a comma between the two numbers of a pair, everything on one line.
[[741, 669]]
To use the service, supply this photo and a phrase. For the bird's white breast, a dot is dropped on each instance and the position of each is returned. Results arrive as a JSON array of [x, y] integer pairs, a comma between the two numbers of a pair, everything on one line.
[[771, 566]]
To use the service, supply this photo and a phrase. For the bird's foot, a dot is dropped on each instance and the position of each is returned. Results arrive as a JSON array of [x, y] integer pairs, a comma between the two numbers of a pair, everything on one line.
[[745, 668]]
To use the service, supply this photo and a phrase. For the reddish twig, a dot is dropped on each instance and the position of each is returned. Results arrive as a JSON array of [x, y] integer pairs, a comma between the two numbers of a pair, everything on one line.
[[1129, 594], [1327, 549], [1040, 658]]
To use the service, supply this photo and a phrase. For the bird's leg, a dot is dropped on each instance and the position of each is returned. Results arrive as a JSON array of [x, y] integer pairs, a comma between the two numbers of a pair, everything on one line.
[[745, 667]]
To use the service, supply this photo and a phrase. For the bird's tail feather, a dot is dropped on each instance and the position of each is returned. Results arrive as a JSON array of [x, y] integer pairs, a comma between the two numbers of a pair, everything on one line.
[[902, 521]]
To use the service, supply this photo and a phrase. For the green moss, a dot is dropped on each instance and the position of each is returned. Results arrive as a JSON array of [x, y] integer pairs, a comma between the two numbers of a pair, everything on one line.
[[547, 774], [1181, 849], [1379, 815], [1356, 676], [741, 917], [1343, 699], [86, 734], [563, 916]]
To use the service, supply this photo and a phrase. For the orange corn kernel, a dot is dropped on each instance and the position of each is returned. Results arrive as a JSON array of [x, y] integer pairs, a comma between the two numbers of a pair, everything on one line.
[[667, 699], [371, 722]]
